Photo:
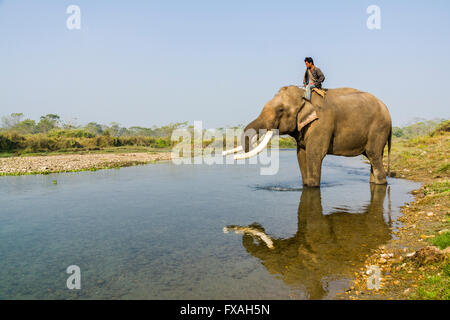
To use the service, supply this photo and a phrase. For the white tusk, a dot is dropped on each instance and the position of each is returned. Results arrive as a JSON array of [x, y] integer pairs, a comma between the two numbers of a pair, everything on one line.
[[254, 141], [253, 232], [258, 148], [232, 151]]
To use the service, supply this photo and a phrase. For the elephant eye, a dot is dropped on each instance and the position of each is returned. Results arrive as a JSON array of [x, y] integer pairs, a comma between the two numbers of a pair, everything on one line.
[[280, 109]]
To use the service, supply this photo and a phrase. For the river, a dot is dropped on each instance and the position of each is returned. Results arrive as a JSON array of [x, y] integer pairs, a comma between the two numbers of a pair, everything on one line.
[[168, 231]]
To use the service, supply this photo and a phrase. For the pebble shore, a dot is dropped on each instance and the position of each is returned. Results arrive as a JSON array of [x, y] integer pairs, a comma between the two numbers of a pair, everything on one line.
[[75, 162]]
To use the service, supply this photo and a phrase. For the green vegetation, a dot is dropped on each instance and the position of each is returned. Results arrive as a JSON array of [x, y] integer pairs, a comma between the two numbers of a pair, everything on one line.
[[442, 241], [419, 128], [425, 157], [11, 142], [446, 269], [437, 187], [20, 136], [50, 135], [444, 168], [287, 142], [435, 287]]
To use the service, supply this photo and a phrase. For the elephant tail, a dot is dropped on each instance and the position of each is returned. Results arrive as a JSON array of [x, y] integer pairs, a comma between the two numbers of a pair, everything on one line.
[[389, 153]]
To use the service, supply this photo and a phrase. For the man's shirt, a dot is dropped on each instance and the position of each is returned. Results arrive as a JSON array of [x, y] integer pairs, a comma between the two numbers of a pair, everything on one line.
[[316, 76]]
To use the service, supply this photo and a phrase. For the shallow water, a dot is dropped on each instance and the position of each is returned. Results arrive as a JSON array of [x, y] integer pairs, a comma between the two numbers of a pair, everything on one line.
[[157, 231]]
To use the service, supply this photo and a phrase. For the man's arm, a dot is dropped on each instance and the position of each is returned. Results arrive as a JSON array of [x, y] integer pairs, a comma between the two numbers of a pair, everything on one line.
[[320, 77]]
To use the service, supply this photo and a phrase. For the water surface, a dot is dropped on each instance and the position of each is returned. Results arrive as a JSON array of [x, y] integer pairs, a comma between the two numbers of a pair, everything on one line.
[[157, 231]]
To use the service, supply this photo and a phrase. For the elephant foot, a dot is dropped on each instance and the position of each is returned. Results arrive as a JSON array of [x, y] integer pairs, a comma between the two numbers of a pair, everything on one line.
[[312, 185], [374, 180], [379, 182]]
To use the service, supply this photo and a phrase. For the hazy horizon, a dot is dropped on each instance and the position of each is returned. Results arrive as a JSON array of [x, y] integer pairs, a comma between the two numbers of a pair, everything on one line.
[[146, 63]]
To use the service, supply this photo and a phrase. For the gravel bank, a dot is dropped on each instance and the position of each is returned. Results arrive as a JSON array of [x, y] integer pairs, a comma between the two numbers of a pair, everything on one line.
[[75, 162]]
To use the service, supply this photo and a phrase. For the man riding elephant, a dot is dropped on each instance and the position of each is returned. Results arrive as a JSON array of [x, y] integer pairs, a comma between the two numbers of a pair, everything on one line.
[[347, 122], [313, 77]]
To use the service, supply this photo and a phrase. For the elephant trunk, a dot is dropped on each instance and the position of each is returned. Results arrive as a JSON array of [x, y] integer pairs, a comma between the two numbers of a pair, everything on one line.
[[249, 138], [250, 134]]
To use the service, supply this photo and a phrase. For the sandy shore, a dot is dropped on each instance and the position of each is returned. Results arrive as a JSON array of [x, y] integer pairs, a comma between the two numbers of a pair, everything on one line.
[[76, 162]]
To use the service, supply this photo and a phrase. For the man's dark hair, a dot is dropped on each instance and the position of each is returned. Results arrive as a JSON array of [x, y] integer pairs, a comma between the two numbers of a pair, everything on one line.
[[309, 60]]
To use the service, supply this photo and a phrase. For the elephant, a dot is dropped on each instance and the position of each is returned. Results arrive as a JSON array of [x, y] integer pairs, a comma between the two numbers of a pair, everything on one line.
[[345, 122], [325, 248]]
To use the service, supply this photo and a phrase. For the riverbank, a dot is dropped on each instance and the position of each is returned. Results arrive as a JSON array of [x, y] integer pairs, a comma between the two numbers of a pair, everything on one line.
[[416, 264], [76, 162]]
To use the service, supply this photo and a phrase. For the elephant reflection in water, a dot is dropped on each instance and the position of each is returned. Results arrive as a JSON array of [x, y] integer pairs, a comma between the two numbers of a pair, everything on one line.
[[325, 247]]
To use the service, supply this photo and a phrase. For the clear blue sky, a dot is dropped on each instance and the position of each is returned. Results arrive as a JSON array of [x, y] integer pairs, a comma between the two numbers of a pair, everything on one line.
[[154, 62]]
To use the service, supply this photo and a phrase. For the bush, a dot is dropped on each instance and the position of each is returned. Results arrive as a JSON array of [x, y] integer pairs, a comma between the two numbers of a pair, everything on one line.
[[10, 141], [74, 133], [58, 140], [443, 127]]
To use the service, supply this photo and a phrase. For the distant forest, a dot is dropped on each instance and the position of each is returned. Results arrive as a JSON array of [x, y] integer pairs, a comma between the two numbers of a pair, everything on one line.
[[20, 135], [419, 127], [52, 125]]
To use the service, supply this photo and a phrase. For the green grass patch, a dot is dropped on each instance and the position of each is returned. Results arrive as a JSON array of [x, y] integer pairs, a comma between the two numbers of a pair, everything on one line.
[[442, 241], [435, 286], [438, 187], [436, 279], [446, 269], [444, 168]]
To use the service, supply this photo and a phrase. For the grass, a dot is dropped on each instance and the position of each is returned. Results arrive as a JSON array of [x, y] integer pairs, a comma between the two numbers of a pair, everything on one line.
[[442, 241], [444, 168], [437, 187], [422, 158], [446, 269], [435, 286]]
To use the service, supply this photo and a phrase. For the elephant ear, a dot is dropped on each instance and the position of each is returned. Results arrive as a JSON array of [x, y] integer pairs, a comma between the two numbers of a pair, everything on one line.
[[306, 115]]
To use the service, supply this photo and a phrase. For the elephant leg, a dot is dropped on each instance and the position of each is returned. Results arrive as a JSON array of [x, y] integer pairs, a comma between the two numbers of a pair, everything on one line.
[[301, 157], [314, 157], [372, 177], [374, 152], [377, 173]]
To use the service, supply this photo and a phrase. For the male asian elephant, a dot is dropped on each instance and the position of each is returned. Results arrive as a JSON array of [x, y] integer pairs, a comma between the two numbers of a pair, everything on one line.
[[345, 122]]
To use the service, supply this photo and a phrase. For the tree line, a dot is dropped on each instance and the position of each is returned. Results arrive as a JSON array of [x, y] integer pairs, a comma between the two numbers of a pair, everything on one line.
[[53, 125], [418, 127], [20, 135]]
